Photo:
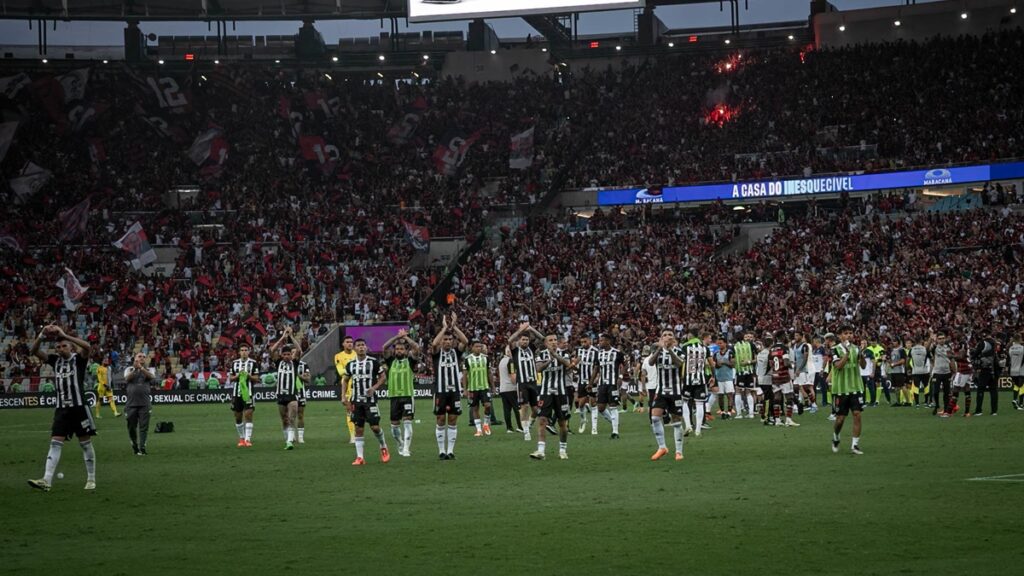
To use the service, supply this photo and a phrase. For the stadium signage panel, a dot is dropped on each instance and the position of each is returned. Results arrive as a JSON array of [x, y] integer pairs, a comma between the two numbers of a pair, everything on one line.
[[423, 388], [813, 185], [434, 10]]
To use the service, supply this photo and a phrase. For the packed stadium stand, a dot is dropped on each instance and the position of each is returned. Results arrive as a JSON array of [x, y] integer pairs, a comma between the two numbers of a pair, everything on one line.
[[275, 194]]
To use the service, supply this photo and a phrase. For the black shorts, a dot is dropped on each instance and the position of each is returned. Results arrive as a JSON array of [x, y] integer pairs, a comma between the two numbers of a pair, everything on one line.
[[240, 405], [528, 394], [744, 380], [402, 407], [286, 399], [447, 403], [919, 380], [697, 392], [670, 404], [607, 394], [1017, 381], [479, 397], [363, 413], [846, 403], [898, 380], [585, 392], [73, 421], [570, 392], [554, 407], [301, 398]]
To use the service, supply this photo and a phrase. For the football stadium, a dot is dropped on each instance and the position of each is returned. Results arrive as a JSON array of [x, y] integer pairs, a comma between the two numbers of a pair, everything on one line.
[[493, 286]]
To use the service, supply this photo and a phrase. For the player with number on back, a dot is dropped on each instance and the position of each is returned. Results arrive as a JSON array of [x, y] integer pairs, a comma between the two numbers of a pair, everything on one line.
[[364, 376], [447, 385]]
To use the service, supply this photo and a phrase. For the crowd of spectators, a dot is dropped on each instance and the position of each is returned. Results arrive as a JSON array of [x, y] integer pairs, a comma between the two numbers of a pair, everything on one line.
[[282, 233]]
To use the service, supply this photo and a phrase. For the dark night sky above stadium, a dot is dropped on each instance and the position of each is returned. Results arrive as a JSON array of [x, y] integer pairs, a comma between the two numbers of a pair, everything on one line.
[[703, 15]]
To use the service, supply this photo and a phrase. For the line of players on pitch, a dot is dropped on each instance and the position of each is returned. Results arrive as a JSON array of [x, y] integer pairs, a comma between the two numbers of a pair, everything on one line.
[[542, 380]]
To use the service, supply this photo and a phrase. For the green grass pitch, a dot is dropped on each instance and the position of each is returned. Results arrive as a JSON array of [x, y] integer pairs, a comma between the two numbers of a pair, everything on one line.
[[746, 500]]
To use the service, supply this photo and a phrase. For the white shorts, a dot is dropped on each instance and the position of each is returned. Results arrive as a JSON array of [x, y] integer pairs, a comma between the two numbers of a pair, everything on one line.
[[804, 379], [765, 380], [726, 387], [962, 381], [786, 388]]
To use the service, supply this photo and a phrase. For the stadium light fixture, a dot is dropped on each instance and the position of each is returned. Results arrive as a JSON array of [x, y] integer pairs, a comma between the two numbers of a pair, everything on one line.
[[727, 41], [618, 48], [543, 49], [334, 58], [963, 15], [277, 61], [328, 76], [381, 74], [45, 60], [203, 76], [671, 44], [426, 56], [1013, 10], [381, 58], [105, 62], [161, 62], [897, 23], [790, 36], [842, 27], [216, 61], [493, 52]]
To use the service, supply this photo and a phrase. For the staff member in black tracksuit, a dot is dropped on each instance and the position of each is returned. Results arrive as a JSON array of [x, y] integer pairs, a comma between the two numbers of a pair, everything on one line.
[[984, 359]]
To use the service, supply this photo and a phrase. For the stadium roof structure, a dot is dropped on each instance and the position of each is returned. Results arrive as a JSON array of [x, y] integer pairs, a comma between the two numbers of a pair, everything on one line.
[[208, 10]]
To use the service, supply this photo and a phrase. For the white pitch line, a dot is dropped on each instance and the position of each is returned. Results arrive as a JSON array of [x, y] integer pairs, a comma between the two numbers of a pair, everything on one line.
[[1003, 478]]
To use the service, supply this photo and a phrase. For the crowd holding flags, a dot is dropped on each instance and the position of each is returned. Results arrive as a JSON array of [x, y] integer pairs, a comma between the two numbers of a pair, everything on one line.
[[72, 289], [137, 244]]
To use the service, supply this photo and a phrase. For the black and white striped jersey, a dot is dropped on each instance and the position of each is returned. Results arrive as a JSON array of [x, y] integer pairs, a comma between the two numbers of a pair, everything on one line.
[[695, 355], [247, 365], [587, 360], [447, 372], [670, 376], [553, 377], [524, 366], [288, 372], [70, 378], [363, 374], [608, 362]]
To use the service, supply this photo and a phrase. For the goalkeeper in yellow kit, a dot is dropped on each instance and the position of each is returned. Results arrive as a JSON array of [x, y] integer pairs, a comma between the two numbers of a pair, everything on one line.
[[103, 389], [341, 359]]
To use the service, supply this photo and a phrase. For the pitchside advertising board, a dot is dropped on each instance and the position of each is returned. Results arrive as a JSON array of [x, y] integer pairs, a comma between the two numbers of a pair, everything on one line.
[[835, 184], [423, 388], [433, 10]]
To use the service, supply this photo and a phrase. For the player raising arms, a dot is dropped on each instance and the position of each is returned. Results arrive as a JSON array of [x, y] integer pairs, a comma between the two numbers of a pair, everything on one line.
[[847, 385], [611, 363], [667, 359], [476, 380], [584, 362], [289, 372], [241, 375], [447, 385], [365, 375], [553, 401], [399, 351], [524, 367], [72, 417]]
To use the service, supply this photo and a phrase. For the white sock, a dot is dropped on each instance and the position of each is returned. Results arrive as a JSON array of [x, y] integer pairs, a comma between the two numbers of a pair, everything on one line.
[[593, 419], [835, 436], [396, 433], [658, 427], [248, 431], [240, 428], [737, 403], [856, 441], [290, 435], [526, 425], [686, 414], [90, 460], [407, 438], [285, 432], [709, 405], [302, 434], [541, 446], [700, 415], [563, 446], [360, 444], [479, 424], [677, 434], [379, 435], [453, 432], [607, 413], [439, 432], [52, 459], [615, 421]]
